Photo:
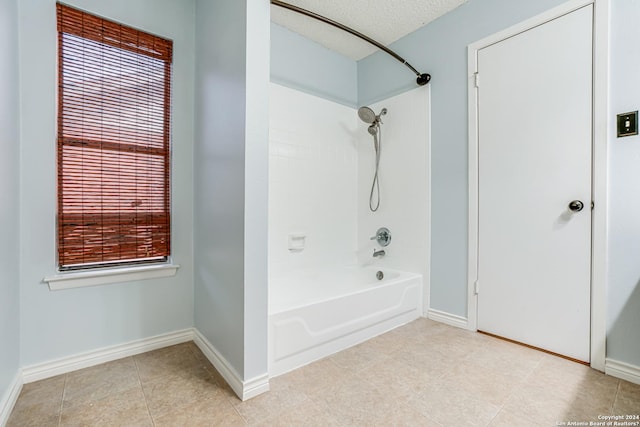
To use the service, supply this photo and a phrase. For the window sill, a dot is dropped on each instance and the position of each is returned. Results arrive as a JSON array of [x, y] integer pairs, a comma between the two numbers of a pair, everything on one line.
[[81, 279]]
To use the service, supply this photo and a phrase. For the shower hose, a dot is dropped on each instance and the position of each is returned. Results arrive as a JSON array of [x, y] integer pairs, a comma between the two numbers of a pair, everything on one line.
[[375, 185]]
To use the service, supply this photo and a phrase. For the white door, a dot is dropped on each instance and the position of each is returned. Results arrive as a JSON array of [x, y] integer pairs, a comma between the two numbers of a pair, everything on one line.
[[535, 139]]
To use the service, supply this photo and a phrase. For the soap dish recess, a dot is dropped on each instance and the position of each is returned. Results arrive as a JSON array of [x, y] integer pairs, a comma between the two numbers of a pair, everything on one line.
[[296, 242]]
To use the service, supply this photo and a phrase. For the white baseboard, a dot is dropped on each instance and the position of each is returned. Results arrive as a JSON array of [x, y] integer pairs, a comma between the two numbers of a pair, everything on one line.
[[622, 370], [219, 362], [107, 354], [9, 399], [243, 389], [448, 318], [255, 386]]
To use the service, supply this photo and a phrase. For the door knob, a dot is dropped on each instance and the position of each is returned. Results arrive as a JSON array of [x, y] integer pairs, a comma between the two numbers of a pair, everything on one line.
[[576, 205]]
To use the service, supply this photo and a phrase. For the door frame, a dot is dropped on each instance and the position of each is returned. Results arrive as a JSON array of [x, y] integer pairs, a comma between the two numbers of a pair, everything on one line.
[[599, 165]]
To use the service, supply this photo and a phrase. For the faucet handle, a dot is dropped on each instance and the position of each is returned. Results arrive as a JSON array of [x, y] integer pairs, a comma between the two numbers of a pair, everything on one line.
[[383, 236], [380, 234]]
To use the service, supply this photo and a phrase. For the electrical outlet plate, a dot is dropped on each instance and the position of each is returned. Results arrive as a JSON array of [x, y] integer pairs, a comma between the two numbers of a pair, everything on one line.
[[628, 124]]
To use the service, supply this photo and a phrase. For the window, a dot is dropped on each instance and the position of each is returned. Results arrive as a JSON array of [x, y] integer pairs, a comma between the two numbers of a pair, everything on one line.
[[113, 143]]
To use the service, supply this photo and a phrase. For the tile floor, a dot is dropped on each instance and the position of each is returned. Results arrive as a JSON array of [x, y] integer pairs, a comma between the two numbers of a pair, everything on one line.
[[422, 374]]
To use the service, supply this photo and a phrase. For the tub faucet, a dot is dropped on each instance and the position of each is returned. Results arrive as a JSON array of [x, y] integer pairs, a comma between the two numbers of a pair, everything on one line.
[[378, 253]]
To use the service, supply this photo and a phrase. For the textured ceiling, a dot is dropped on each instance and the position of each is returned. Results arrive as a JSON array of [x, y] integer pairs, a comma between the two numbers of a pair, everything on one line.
[[383, 20]]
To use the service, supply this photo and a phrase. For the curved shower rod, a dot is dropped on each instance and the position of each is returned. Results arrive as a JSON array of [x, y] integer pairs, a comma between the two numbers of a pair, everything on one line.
[[421, 80]]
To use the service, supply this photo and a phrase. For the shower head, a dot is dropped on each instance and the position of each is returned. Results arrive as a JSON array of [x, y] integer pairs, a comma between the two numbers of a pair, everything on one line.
[[366, 114], [373, 129]]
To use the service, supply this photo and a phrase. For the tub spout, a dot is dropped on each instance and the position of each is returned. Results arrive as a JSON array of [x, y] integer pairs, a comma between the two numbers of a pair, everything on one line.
[[378, 253]]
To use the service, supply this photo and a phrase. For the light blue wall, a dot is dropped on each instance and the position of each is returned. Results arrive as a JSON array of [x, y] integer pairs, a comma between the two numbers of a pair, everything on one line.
[[68, 322], [219, 175], [256, 190], [299, 63], [231, 158], [9, 198], [623, 308], [440, 49]]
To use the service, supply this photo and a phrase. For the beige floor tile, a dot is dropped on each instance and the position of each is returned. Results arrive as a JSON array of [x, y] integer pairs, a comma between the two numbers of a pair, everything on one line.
[[317, 376], [400, 381], [450, 346], [356, 403], [177, 360], [170, 393], [211, 411], [628, 399], [423, 374], [468, 339], [493, 385], [402, 416], [421, 327], [97, 382], [593, 399], [452, 407], [39, 403], [422, 332], [47, 390], [428, 357], [196, 350], [123, 409], [204, 362], [21, 417], [358, 358], [501, 356], [387, 344], [508, 419], [420, 345], [537, 403], [282, 396], [560, 373], [586, 391], [306, 414], [221, 382]]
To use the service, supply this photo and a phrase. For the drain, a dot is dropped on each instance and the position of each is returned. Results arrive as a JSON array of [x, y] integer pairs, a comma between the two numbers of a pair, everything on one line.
[[380, 275]]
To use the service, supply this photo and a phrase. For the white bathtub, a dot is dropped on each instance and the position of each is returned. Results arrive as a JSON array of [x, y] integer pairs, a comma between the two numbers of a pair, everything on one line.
[[315, 314]]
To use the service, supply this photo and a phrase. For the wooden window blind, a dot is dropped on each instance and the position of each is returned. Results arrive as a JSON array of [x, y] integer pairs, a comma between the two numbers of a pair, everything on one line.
[[113, 143]]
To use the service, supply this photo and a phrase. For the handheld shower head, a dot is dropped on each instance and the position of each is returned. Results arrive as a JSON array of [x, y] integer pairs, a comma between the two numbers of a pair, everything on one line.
[[366, 114]]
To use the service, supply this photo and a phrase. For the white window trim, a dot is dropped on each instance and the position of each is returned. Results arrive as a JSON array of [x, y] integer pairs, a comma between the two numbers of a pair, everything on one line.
[[82, 279]]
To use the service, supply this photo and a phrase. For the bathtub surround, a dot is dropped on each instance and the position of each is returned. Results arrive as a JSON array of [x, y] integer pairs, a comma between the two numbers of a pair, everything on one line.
[[312, 181], [321, 165], [404, 185], [231, 178], [10, 381]]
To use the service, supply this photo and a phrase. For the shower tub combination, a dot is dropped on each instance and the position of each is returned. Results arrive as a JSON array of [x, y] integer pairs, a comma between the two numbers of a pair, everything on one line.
[[315, 314]]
